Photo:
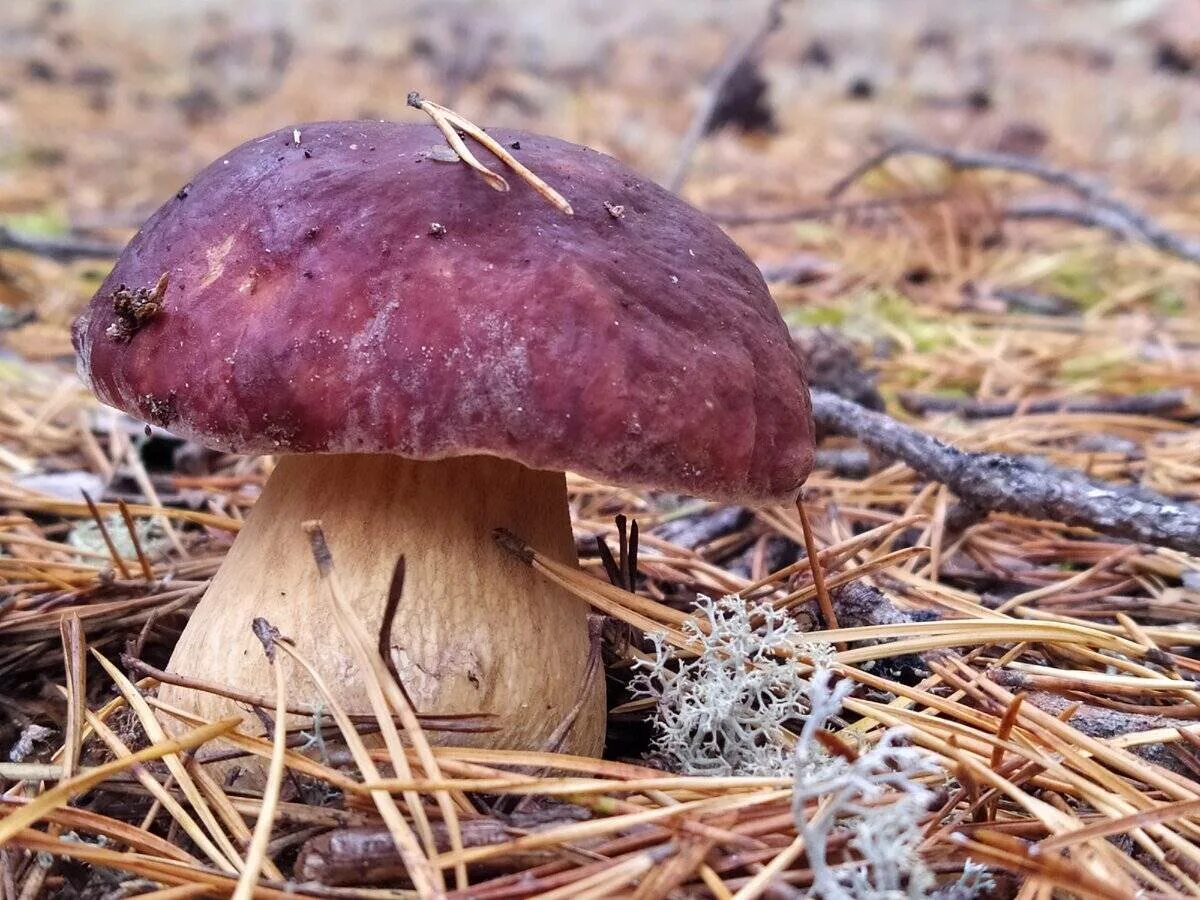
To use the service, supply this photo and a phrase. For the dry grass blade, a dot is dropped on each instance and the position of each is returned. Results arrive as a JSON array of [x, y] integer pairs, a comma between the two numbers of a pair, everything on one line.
[[189, 825], [835, 554], [1166, 813], [270, 799], [178, 892], [164, 871], [75, 659], [448, 120], [607, 882], [424, 878], [36, 809], [256, 746], [1004, 851], [568, 834], [174, 764], [143, 561], [462, 722], [102, 526], [83, 820], [757, 885], [818, 574], [387, 697]]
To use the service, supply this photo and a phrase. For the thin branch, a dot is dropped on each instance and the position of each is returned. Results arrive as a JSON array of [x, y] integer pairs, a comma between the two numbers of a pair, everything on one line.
[[60, 249], [1168, 404], [738, 55], [1075, 213], [1099, 209], [1023, 485]]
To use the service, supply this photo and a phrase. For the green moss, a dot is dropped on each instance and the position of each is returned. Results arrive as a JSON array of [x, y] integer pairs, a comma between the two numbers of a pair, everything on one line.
[[815, 317], [1169, 302], [1080, 279], [864, 315], [48, 222], [1095, 365]]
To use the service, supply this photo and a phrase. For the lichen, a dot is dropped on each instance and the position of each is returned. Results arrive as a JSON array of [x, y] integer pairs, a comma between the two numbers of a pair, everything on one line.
[[739, 707]]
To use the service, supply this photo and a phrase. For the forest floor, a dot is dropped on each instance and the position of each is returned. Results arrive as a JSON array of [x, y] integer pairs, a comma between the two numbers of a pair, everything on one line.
[[984, 224]]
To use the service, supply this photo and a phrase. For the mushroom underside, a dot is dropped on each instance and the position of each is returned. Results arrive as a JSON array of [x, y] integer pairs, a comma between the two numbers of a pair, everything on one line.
[[475, 631]]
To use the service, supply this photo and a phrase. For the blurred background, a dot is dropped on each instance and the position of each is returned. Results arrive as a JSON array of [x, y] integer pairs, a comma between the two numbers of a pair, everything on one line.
[[107, 108]]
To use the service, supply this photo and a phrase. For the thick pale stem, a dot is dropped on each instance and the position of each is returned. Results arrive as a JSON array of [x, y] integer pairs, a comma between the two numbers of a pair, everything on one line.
[[475, 631]]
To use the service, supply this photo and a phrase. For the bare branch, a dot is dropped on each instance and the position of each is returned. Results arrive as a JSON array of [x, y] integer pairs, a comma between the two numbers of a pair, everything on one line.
[[60, 249], [1159, 403], [1099, 209], [1023, 485]]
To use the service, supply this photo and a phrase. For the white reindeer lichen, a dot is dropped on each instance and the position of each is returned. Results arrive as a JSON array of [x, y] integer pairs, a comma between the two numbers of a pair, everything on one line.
[[725, 712]]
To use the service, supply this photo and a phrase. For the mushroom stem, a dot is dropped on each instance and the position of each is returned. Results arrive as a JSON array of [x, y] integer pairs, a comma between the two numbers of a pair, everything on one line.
[[475, 630]]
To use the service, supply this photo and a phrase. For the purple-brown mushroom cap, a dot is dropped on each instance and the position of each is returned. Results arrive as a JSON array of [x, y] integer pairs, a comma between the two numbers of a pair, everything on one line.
[[313, 305]]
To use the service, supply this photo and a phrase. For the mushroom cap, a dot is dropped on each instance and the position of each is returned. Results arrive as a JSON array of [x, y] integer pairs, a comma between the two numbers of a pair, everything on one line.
[[313, 305]]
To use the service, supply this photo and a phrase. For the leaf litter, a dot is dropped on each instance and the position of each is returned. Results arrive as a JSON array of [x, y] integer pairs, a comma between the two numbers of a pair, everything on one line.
[[1005, 698]]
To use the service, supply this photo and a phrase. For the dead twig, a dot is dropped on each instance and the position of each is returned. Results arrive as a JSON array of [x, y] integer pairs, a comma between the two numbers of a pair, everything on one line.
[[1158, 403], [59, 249], [1023, 485], [1099, 209], [738, 56], [352, 857]]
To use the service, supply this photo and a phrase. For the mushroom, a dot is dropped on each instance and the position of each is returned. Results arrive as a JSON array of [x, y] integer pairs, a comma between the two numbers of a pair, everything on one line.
[[426, 358]]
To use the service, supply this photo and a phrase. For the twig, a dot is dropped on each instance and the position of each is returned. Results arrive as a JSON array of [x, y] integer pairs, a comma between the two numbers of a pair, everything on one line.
[[1100, 209], [1075, 213], [803, 268], [147, 572], [60, 249], [1159, 403], [738, 55], [363, 855], [108, 541], [1036, 302], [451, 122], [1024, 485]]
